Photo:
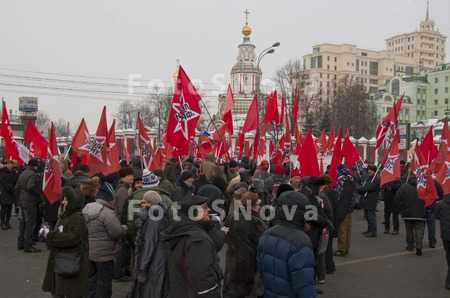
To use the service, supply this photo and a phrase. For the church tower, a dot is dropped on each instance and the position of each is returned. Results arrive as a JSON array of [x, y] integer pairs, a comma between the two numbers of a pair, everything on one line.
[[245, 75]]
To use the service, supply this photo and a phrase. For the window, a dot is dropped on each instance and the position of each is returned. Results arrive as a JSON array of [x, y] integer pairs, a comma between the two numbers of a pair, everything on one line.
[[436, 91], [446, 101], [335, 68], [328, 67], [446, 89], [412, 46], [435, 113], [364, 54], [436, 102], [373, 68], [335, 59], [373, 82], [316, 50], [328, 76], [319, 61], [320, 75], [395, 87], [436, 80], [328, 58]]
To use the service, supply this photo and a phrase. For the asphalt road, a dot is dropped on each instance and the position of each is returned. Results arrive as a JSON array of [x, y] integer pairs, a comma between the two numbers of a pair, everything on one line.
[[375, 267]]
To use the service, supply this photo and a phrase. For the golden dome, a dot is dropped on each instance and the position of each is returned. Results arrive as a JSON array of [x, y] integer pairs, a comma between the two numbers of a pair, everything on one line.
[[246, 30], [175, 74]]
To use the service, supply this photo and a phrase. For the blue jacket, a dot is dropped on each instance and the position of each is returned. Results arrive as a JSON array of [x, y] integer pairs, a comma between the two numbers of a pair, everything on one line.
[[285, 262]]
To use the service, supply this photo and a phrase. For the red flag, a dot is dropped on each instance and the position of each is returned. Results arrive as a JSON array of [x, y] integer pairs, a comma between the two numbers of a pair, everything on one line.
[[287, 142], [309, 165], [81, 140], [219, 134], [51, 184], [299, 140], [443, 149], [272, 109], [229, 104], [11, 146], [158, 160], [241, 145], [276, 152], [322, 142], [426, 188], [349, 152], [145, 146], [282, 109], [126, 154], [184, 114], [260, 151], [335, 158], [251, 120], [427, 146], [38, 144], [443, 176], [98, 151], [391, 163], [330, 143], [389, 122], [113, 154]]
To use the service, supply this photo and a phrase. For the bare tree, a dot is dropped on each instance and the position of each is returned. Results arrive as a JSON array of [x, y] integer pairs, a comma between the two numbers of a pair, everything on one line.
[[352, 109], [126, 115], [60, 128], [42, 121]]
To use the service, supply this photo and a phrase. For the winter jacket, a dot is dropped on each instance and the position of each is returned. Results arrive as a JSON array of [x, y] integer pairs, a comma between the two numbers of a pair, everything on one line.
[[389, 190], [151, 255], [121, 197], [8, 180], [259, 181], [345, 188], [442, 213], [411, 207], [208, 166], [275, 180], [369, 192], [171, 171], [105, 231], [167, 186], [331, 200], [240, 267], [28, 185], [182, 190], [134, 207], [194, 269], [286, 262], [74, 234]]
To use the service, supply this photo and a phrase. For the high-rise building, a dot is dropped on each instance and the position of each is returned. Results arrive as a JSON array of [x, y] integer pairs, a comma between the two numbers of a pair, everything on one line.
[[426, 46]]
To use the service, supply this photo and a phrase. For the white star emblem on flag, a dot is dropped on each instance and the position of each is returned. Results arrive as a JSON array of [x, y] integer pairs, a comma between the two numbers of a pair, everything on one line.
[[183, 114]]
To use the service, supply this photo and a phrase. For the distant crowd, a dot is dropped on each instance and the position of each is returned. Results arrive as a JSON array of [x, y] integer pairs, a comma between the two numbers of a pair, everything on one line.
[[161, 230]]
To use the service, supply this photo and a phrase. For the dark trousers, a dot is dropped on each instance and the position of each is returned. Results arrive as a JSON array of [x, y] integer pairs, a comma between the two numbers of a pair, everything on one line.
[[414, 233], [387, 220], [446, 244], [371, 218], [27, 222], [5, 214], [100, 279], [122, 261], [329, 260], [431, 226]]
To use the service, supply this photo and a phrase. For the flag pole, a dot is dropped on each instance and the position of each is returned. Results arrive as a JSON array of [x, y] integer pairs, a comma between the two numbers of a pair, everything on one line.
[[214, 124]]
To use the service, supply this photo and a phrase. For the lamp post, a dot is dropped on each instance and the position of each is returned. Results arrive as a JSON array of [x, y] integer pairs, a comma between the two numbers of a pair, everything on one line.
[[269, 50]]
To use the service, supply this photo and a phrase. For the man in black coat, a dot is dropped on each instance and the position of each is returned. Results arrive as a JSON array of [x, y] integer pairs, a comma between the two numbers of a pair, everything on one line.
[[369, 192], [194, 268], [442, 213]]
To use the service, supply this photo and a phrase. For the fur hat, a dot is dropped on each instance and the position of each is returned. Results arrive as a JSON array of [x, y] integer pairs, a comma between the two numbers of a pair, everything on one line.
[[295, 173], [327, 179], [33, 162], [186, 175], [372, 167], [149, 179], [106, 192], [152, 197], [123, 172], [191, 200], [251, 197]]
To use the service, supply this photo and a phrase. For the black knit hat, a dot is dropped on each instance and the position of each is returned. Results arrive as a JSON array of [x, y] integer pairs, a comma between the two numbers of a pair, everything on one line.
[[186, 175]]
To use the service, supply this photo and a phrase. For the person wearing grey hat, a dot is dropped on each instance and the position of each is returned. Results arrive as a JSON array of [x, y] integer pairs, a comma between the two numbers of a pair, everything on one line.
[[285, 257], [105, 232], [194, 269]]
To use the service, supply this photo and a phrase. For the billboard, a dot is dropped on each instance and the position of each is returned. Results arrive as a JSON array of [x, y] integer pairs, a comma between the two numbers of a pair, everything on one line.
[[28, 104]]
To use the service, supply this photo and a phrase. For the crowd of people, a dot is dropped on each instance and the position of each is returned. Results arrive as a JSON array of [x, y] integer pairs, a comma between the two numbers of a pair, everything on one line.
[[161, 230]]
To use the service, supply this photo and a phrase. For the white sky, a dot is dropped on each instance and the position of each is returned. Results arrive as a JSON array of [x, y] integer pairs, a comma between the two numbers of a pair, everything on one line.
[[116, 38]]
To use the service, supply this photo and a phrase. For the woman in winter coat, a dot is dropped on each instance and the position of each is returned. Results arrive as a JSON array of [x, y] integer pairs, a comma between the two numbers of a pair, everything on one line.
[[151, 278], [8, 179], [71, 233]]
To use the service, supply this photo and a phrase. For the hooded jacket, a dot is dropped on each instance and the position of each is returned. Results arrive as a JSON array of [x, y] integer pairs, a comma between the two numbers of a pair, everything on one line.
[[74, 234], [194, 268], [411, 207], [105, 231]]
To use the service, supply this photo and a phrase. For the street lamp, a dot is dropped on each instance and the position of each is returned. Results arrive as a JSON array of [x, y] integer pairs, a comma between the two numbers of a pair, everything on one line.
[[269, 50]]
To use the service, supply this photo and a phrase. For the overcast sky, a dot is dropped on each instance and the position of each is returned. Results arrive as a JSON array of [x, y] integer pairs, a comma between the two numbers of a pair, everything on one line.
[[87, 40]]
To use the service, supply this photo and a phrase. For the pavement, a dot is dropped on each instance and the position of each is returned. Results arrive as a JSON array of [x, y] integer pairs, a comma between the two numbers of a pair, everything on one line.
[[375, 267]]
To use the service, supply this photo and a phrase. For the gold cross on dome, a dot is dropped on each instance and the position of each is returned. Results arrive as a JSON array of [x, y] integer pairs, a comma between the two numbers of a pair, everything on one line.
[[246, 15]]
